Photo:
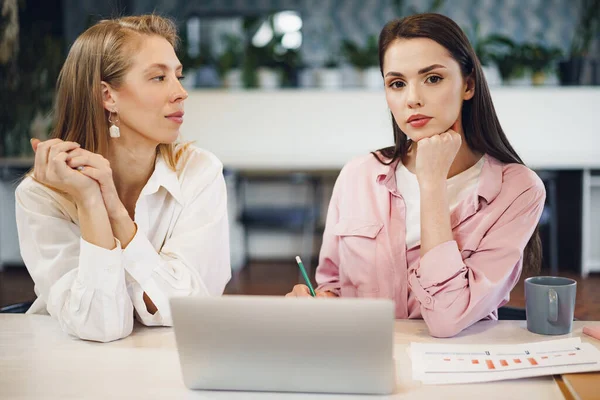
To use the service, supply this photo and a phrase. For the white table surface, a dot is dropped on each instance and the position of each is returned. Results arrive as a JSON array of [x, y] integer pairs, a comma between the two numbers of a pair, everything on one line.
[[38, 360]]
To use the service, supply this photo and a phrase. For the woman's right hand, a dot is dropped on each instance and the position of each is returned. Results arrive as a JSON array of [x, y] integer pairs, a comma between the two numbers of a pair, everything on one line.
[[303, 291], [51, 169]]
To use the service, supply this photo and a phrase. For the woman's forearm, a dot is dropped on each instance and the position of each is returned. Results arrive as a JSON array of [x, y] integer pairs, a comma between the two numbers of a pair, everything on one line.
[[123, 227], [435, 216], [94, 222]]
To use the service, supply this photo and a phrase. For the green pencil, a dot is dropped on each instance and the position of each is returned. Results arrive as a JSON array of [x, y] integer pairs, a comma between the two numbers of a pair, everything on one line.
[[305, 276]]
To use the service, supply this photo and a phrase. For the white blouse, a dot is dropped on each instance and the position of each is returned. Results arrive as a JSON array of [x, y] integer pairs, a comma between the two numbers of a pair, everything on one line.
[[459, 188], [181, 248]]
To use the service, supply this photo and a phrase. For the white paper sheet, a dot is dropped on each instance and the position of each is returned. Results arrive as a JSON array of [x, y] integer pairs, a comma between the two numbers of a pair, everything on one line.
[[443, 363]]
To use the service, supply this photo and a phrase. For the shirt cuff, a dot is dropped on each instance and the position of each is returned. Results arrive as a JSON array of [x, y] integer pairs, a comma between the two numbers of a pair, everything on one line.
[[329, 287], [140, 258], [440, 264], [100, 268]]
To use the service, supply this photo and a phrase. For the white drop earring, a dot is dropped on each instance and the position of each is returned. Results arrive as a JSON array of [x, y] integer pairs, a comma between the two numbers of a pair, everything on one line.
[[114, 130]]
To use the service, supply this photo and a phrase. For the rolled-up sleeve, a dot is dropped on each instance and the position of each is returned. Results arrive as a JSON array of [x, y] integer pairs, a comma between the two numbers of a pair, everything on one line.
[[455, 293]]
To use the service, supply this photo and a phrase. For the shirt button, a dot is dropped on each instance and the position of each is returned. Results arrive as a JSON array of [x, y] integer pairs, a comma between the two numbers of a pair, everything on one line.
[[428, 300]]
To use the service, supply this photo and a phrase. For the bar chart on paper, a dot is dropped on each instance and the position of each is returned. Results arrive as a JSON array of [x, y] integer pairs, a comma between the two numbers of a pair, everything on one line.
[[484, 361], [440, 363]]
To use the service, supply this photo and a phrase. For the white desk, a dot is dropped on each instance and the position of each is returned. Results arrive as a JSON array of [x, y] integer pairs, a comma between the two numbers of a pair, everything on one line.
[[38, 360]]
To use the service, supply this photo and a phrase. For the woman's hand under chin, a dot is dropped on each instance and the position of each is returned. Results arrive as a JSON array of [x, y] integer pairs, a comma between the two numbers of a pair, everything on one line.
[[435, 155]]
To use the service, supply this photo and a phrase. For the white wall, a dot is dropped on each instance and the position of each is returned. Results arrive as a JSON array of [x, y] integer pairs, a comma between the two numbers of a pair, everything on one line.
[[552, 127]]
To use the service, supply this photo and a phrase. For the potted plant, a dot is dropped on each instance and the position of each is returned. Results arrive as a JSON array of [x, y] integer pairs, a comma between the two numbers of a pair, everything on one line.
[[329, 76], [512, 64], [289, 62], [540, 60], [260, 67], [190, 62], [488, 49], [207, 74], [366, 60], [268, 73], [587, 29], [230, 61]]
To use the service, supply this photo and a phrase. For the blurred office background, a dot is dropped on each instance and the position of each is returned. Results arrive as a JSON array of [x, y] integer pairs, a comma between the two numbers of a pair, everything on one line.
[[285, 92]]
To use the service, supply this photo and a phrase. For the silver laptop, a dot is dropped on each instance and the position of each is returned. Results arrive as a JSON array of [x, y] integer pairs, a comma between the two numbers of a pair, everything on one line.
[[257, 343]]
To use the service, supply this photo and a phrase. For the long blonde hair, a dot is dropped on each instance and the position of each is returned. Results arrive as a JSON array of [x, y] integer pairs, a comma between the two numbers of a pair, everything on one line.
[[103, 53]]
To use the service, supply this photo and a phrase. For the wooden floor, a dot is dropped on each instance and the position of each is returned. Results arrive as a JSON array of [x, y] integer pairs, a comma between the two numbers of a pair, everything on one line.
[[277, 278]]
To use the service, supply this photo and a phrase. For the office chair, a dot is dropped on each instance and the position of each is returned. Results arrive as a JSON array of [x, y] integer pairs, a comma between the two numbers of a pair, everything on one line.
[[301, 218], [512, 313], [549, 217], [18, 308]]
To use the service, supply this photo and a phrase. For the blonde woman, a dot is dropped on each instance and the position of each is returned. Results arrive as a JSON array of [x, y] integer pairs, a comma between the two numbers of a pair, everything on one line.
[[116, 217]]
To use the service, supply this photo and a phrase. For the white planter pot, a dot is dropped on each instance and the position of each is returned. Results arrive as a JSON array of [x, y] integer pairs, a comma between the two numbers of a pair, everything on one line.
[[268, 79], [233, 79], [351, 76], [492, 75], [545, 79], [372, 79], [329, 78], [524, 80], [307, 78]]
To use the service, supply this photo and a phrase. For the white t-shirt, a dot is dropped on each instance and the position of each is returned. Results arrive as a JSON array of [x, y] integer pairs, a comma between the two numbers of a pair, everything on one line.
[[459, 187]]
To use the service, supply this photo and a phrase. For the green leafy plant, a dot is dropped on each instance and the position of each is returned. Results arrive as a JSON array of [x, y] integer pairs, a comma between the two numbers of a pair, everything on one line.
[[27, 83], [189, 62], [488, 48], [205, 54], [533, 57], [538, 57], [361, 57], [333, 60], [233, 54], [510, 60], [273, 55], [587, 28]]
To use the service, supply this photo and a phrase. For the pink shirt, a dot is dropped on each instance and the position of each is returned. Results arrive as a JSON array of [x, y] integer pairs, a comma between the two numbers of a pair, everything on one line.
[[455, 284]]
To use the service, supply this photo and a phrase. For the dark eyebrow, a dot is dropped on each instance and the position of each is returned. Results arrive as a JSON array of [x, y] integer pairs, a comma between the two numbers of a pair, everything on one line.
[[164, 67], [420, 72]]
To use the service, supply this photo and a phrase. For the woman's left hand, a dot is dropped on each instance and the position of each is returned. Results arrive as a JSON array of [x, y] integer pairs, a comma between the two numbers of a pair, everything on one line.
[[98, 168], [435, 156]]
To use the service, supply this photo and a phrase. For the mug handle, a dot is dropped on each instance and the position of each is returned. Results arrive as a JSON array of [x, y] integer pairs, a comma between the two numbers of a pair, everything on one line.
[[553, 305]]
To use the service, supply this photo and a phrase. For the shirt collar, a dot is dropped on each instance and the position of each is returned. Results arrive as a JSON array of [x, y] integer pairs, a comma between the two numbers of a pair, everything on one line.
[[163, 176], [489, 186]]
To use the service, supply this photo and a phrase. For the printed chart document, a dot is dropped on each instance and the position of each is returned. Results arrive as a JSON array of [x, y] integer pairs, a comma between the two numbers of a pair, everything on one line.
[[443, 363]]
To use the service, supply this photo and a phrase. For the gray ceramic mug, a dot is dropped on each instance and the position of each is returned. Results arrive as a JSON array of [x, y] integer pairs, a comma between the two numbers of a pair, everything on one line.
[[550, 304]]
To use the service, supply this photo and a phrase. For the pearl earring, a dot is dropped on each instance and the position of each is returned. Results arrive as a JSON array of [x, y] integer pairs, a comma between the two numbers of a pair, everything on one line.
[[114, 130]]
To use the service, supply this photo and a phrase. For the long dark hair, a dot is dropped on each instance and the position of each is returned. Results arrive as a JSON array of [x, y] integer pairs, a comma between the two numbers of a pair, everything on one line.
[[482, 130]]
